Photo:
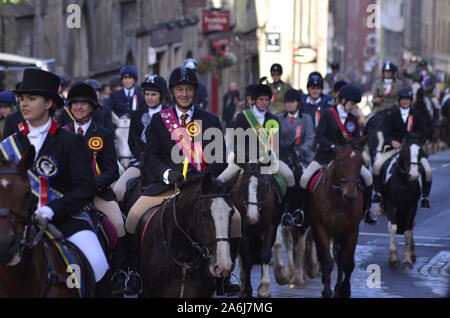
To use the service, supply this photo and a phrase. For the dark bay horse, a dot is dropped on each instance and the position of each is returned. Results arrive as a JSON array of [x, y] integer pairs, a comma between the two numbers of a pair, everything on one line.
[[401, 194], [256, 199], [335, 211], [185, 241], [29, 267]]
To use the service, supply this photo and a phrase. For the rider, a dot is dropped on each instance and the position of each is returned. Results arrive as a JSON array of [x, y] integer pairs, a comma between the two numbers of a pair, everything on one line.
[[326, 137], [314, 103], [295, 129], [278, 88], [428, 82], [62, 165], [402, 121], [165, 173], [386, 90], [332, 78], [257, 117], [128, 99], [154, 89], [7, 107], [82, 100]]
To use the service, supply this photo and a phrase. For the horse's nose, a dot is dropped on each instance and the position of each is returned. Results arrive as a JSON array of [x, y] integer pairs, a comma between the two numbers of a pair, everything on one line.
[[7, 248], [220, 271], [349, 199]]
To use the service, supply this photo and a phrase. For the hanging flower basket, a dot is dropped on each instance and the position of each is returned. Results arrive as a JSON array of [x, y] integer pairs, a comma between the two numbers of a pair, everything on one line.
[[219, 60]]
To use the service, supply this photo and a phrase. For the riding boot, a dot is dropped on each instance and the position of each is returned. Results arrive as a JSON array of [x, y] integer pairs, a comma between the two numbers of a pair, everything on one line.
[[224, 285], [425, 203], [289, 202], [133, 282], [103, 288], [370, 218], [120, 259], [377, 188]]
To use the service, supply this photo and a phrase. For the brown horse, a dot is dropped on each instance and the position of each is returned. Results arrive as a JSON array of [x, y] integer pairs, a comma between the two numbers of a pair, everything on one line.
[[29, 267], [335, 211], [185, 242]]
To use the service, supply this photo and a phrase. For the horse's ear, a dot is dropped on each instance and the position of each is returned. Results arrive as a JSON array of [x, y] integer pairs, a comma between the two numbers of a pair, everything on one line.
[[340, 138], [206, 182], [363, 140], [27, 160]]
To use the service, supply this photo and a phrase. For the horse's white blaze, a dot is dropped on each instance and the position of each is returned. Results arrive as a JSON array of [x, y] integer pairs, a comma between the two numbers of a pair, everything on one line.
[[220, 212], [4, 183], [414, 168], [252, 210], [352, 154]]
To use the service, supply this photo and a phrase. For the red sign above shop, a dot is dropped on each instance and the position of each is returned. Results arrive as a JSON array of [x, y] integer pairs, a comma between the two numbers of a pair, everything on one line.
[[216, 21]]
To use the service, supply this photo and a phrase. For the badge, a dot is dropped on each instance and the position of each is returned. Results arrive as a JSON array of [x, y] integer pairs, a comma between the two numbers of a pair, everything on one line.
[[193, 129], [145, 119], [46, 166], [96, 144], [350, 126]]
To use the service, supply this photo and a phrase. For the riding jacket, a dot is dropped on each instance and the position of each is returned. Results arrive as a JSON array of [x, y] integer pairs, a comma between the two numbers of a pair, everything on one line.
[[158, 150], [278, 90], [102, 158], [395, 128], [389, 93], [13, 122], [315, 110], [327, 134], [123, 105]]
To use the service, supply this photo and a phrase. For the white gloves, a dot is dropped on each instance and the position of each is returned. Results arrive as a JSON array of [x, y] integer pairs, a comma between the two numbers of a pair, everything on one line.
[[44, 213]]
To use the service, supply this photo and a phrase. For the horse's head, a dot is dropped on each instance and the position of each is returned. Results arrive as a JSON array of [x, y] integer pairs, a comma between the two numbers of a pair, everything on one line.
[[347, 166], [411, 153], [213, 210], [15, 192], [253, 182]]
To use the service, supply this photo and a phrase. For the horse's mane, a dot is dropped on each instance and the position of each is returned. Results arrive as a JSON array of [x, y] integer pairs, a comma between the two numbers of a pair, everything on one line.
[[5, 163], [191, 189]]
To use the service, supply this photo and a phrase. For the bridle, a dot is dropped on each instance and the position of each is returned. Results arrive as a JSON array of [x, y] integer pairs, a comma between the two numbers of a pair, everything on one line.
[[256, 173], [202, 249]]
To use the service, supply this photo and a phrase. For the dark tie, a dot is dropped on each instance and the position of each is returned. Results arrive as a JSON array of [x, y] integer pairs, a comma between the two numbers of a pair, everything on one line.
[[183, 119], [292, 121], [80, 131]]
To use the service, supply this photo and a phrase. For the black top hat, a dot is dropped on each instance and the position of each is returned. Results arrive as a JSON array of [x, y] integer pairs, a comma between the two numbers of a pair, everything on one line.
[[41, 83], [82, 92]]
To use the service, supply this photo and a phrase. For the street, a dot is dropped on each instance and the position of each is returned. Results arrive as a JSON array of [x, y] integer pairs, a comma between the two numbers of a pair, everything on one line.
[[430, 276]]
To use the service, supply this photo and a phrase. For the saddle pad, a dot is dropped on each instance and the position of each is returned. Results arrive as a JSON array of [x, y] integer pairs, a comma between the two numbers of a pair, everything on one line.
[[280, 185], [111, 232], [315, 181], [153, 212]]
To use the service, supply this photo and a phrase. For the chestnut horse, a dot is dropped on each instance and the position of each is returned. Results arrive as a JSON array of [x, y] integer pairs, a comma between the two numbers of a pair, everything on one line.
[[29, 265], [185, 241], [335, 211]]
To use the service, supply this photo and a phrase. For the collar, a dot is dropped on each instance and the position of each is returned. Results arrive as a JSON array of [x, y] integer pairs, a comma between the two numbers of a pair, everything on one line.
[[309, 101], [51, 127], [404, 111], [295, 115], [341, 111], [128, 90], [190, 113], [388, 81], [259, 113], [154, 110], [85, 127]]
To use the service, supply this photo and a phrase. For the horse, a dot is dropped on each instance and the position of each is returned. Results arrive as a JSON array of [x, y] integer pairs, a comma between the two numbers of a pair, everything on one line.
[[185, 241], [255, 196], [300, 247], [124, 154], [373, 128], [29, 264], [335, 211], [401, 193]]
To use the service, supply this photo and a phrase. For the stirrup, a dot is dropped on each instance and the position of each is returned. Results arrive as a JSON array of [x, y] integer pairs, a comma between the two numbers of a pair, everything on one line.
[[129, 291], [122, 290], [374, 221], [289, 220], [221, 290], [425, 203]]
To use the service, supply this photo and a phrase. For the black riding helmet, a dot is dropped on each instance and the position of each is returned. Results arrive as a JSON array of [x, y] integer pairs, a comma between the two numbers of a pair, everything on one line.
[[183, 75], [350, 93], [292, 95], [315, 81], [262, 90], [405, 92], [82, 92], [388, 66], [276, 68]]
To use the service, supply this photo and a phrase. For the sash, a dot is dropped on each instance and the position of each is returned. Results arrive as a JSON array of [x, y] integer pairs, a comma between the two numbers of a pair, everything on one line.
[[66, 108], [95, 144], [183, 139], [409, 126], [298, 134], [389, 91], [317, 116], [135, 105], [349, 127], [264, 134], [46, 166]]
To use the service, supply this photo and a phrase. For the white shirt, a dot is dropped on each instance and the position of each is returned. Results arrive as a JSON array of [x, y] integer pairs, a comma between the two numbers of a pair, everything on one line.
[[37, 135], [85, 127], [293, 116], [405, 113], [190, 112], [261, 115], [128, 90], [152, 111], [309, 100], [342, 114]]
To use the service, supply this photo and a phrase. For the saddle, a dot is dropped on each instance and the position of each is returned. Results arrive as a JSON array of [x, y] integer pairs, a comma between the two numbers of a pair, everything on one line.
[[145, 221], [104, 228], [315, 180], [280, 185]]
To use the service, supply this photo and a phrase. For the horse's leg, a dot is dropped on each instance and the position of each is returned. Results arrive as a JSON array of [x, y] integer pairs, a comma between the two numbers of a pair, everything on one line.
[[266, 253], [338, 258], [299, 275], [246, 268], [393, 254], [407, 262], [280, 271], [326, 262], [312, 265], [347, 262]]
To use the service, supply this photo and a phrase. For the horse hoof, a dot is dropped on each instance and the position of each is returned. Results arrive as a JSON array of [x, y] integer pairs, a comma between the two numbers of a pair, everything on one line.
[[264, 292], [394, 263], [413, 258], [406, 266], [281, 276], [327, 293]]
